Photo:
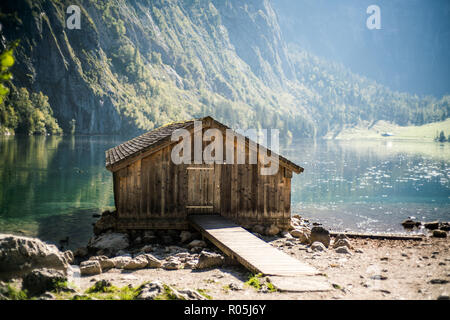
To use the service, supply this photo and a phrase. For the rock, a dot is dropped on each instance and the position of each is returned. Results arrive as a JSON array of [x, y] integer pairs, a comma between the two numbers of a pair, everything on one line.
[[110, 241], [152, 261], [341, 236], [320, 234], [172, 264], [106, 223], [439, 234], [258, 229], [438, 281], [185, 236], [236, 287], [378, 277], [150, 291], [19, 255], [69, 256], [39, 281], [445, 226], [409, 224], [209, 260], [342, 243], [81, 252], [104, 261], [90, 267], [359, 251], [190, 264], [443, 297], [273, 230], [318, 246], [121, 261], [197, 243], [302, 235], [188, 294], [286, 235], [343, 249], [140, 262], [433, 225]]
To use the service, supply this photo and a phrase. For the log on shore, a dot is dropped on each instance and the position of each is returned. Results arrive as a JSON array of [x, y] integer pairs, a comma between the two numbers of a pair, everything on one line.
[[380, 236]]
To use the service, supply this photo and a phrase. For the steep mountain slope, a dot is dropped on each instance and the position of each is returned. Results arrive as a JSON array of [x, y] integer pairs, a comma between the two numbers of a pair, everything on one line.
[[135, 65]]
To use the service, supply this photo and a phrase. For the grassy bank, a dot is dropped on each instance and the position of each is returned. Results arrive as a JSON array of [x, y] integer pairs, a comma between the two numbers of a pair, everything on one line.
[[365, 131]]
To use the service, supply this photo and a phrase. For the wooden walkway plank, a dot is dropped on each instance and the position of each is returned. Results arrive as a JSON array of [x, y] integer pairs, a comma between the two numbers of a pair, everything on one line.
[[257, 255]]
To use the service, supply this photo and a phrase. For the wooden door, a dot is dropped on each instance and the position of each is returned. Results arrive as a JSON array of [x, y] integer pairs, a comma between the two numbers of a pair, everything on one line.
[[201, 190]]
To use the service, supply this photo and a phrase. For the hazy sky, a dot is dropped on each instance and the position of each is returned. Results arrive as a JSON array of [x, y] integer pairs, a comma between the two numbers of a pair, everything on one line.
[[411, 51]]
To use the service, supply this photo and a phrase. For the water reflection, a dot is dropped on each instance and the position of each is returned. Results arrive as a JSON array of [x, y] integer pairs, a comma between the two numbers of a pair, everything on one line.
[[51, 186], [47, 181], [371, 185]]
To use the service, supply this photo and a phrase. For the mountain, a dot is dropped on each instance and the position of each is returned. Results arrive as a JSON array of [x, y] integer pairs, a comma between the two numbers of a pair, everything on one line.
[[410, 52], [135, 65]]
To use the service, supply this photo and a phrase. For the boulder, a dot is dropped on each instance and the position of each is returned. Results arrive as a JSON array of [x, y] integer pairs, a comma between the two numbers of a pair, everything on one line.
[[185, 236], [152, 261], [69, 256], [121, 261], [106, 223], [39, 281], [340, 236], [318, 246], [209, 260], [439, 234], [433, 225], [140, 262], [197, 243], [172, 264], [409, 224], [320, 234], [104, 261], [109, 241], [302, 235], [273, 230], [192, 264], [342, 243], [90, 267], [445, 226], [342, 249], [19, 255]]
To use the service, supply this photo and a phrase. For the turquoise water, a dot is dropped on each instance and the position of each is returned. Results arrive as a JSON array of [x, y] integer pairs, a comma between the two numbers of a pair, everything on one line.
[[51, 186], [371, 186]]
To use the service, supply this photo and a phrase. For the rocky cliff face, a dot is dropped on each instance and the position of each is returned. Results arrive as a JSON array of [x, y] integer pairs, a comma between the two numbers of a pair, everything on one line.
[[136, 65], [225, 48]]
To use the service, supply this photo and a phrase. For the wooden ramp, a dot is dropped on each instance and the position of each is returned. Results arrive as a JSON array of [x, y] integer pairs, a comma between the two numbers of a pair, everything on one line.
[[258, 256]]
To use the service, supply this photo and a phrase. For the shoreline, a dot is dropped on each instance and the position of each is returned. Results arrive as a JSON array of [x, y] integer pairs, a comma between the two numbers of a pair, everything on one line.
[[356, 267]]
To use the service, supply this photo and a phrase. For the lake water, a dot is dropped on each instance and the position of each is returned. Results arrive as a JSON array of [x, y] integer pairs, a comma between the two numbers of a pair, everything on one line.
[[51, 186]]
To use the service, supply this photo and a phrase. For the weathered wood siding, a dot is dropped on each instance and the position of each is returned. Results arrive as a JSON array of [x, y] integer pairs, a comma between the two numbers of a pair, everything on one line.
[[154, 193]]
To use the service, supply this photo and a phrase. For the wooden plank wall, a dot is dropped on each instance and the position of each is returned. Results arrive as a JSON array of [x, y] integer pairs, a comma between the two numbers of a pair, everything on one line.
[[152, 193]]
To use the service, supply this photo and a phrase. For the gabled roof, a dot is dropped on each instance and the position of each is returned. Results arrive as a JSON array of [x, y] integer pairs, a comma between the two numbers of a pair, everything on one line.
[[149, 140]]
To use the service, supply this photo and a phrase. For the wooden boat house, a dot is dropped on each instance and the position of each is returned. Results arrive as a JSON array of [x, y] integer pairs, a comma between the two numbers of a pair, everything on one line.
[[151, 191]]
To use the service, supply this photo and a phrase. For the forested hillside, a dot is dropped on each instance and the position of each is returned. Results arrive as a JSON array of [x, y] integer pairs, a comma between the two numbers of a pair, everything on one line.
[[135, 65]]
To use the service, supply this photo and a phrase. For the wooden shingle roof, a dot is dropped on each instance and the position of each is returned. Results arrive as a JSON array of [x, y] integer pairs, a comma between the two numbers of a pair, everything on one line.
[[147, 141], [143, 143]]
